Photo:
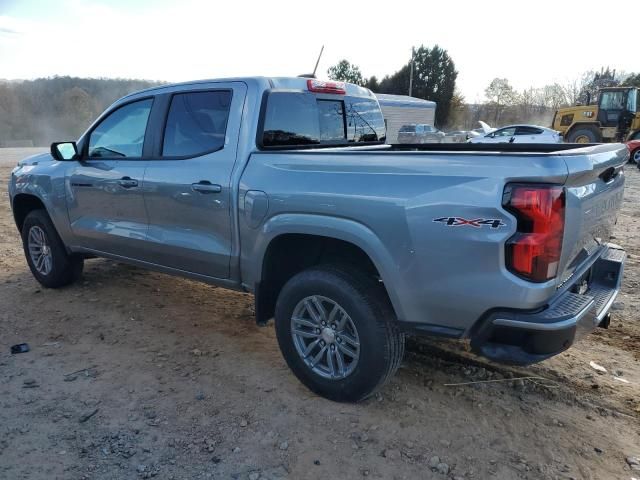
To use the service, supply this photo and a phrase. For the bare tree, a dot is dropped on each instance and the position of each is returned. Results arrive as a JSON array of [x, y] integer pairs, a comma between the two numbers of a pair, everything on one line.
[[500, 94], [573, 90]]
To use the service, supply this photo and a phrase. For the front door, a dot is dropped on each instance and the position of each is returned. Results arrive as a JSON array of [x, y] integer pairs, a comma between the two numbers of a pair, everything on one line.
[[503, 135], [187, 185], [105, 200], [611, 106]]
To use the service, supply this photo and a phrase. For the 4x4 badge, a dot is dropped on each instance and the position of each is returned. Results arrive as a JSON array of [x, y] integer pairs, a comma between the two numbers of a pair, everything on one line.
[[476, 222]]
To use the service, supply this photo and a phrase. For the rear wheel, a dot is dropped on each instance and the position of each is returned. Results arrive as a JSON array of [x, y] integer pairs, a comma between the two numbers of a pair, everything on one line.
[[586, 134], [336, 330], [48, 259]]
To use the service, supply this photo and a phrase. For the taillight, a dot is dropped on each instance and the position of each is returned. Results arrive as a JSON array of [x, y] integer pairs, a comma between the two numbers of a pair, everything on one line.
[[534, 251], [321, 86]]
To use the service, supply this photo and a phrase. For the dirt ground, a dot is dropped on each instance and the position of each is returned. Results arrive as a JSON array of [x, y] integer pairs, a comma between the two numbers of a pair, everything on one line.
[[174, 380]]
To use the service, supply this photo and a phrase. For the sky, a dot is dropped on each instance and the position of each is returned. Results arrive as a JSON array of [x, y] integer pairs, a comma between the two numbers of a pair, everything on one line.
[[530, 43]]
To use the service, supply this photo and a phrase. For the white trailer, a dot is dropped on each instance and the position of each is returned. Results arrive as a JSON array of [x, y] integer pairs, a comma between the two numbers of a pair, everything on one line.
[[399, 110]]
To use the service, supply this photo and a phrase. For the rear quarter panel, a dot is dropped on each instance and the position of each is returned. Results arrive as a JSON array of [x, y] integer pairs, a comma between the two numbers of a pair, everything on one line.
[[435, 274]]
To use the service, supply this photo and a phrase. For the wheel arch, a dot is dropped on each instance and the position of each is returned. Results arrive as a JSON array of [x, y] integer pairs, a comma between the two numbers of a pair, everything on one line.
[[24, 203], [278, 255], [576, 125]]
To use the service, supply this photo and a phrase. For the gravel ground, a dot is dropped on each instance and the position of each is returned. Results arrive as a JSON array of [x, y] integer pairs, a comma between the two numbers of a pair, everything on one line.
[[134, 374]]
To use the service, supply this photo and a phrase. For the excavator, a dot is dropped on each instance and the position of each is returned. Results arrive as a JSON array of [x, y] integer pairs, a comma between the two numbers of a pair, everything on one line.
[[614, 118]]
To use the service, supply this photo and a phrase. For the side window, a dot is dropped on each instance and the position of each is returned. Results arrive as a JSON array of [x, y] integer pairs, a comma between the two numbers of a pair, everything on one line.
[[121, 133], [505, 132], [196, 123], [632, 101]]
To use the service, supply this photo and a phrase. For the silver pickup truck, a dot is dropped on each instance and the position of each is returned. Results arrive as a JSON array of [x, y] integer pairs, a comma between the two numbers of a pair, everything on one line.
[[283, 187]]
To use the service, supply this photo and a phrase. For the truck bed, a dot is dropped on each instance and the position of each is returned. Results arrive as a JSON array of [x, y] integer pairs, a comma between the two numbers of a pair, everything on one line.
[[500, 147]]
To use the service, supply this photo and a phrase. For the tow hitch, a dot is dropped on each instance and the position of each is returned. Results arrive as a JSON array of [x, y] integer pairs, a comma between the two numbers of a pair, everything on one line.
[[604, 323]]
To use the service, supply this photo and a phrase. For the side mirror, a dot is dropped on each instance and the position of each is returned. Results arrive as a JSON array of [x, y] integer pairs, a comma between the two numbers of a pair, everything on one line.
[[63, 151]]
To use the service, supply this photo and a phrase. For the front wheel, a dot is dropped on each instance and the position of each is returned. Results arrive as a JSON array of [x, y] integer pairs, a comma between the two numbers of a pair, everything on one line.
[[48, 259], [584, 134], [635, 156], [336, 330]]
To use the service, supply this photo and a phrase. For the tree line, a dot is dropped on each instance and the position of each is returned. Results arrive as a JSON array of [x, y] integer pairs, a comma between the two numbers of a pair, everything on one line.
[[60, 108], [44, 110]]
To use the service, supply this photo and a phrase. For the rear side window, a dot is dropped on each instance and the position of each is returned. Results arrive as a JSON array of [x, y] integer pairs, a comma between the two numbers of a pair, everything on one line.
[[121, 133], [566, 120], [196, 123], [528, 131], [300, 119]]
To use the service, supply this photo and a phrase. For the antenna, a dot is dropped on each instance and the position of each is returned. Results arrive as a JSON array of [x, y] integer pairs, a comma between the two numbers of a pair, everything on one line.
[[317, 62]]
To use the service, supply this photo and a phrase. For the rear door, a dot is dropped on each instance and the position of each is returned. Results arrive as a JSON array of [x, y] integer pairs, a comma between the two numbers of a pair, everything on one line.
[[105, 201], [187, 186]]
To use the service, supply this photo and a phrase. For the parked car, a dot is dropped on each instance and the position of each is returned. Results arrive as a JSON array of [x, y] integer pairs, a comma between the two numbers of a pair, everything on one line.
[[457, 136], [519, 134], [419, 133], [261, 185], [634, 151]]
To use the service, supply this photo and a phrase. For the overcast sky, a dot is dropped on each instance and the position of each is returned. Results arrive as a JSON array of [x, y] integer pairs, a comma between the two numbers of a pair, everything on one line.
[[530, 43]]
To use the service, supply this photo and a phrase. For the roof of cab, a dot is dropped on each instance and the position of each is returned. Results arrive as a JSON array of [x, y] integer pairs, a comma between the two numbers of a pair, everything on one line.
[[278, 83]]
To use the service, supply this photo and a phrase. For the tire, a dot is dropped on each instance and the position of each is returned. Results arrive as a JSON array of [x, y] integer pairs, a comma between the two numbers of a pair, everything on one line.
[[634, 157], [368, 313], [586, 134], [63, 268]]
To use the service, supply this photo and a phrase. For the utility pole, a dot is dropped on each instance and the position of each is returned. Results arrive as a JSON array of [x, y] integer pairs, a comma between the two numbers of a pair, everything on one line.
[[411, 74]]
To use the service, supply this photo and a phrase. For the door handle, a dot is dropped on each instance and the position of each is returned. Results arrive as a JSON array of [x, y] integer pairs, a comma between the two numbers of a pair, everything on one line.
[[127, 182], [205, 186]]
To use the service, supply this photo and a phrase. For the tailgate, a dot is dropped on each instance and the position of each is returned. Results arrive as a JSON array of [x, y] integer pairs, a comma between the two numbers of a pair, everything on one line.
[[594, 192]]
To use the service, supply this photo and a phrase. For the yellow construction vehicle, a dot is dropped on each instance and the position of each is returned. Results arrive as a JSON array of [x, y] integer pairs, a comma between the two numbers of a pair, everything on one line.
[[615, 118]]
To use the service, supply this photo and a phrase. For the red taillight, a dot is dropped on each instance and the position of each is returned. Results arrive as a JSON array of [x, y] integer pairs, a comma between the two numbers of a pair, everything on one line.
[[534, 251], [321, 86]]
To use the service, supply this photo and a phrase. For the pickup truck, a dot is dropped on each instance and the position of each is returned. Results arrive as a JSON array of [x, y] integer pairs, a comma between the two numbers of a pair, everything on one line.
[[283, 187]]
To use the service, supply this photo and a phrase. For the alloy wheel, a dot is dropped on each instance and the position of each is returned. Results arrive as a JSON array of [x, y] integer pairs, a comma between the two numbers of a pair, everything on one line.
[[325, 337]]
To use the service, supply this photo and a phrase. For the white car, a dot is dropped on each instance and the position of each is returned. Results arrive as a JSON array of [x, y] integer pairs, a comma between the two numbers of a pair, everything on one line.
[[519, 134]]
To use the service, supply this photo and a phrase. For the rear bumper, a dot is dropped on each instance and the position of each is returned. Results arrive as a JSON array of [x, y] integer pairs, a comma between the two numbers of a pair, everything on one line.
[[523, 338]]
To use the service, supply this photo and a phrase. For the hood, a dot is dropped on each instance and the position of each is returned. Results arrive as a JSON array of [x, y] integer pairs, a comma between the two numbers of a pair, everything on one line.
[[36, 159]]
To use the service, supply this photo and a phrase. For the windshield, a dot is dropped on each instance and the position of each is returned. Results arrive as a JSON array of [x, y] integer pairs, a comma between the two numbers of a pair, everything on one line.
[[612, 100], [298, 118]]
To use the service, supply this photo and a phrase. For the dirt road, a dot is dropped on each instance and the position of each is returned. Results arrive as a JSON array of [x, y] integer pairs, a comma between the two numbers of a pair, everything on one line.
[[174, 380]]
